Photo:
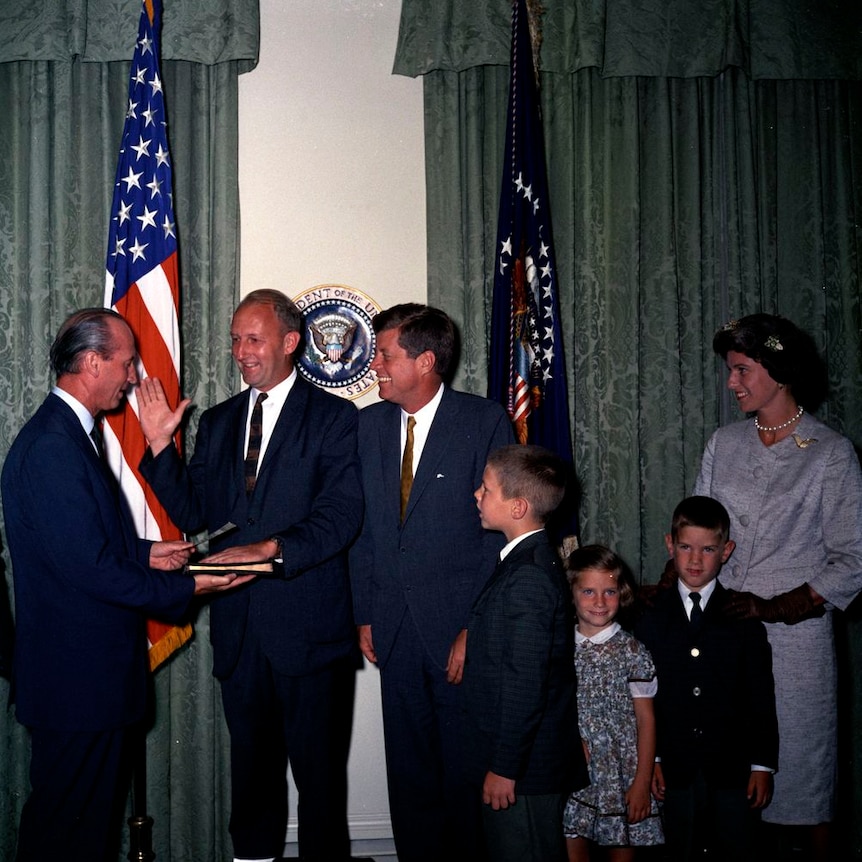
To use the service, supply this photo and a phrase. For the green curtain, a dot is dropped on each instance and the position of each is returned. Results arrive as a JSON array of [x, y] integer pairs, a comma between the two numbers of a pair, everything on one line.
[[703, 164], [770, 39], [677, 203], [61, 119]]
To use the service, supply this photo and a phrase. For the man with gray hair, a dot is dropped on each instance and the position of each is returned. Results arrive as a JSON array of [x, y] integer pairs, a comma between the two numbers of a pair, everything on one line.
[[84, 587]]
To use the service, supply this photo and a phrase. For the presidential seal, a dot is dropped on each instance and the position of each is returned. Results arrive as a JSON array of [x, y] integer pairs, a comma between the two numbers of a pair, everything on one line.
[[339, 340]]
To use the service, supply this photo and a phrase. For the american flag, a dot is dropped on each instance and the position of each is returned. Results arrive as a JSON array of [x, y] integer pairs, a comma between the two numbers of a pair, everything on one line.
[[526, 372], [142, 284]]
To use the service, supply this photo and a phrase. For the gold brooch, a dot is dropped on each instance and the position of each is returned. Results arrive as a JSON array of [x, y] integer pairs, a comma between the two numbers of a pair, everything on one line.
[[803, 442]]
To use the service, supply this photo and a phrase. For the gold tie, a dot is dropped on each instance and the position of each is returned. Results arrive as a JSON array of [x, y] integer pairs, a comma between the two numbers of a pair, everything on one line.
[[407, 467]]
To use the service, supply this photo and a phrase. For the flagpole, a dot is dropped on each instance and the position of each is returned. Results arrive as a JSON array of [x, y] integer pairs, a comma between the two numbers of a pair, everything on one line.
[[140, 823], [142, 284]]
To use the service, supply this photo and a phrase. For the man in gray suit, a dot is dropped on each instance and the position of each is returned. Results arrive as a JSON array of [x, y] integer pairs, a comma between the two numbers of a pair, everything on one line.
[[420, 561]]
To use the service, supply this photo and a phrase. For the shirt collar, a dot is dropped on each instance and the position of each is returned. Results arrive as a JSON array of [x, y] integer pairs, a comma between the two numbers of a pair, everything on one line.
[[508, 548], [705, 593], [84, 416], [424, 416], [599, 637], [277, 395]]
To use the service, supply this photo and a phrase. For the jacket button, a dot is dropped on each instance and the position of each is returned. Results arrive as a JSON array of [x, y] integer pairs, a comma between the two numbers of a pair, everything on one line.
[[250, 522], [695, 652], [696, 691]]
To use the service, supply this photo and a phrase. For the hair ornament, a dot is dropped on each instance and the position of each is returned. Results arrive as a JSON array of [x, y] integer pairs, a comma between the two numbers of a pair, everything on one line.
[[772, 343], [730, 325]]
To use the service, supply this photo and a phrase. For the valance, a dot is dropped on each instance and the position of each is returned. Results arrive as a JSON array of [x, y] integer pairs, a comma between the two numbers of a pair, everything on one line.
[[768, 39], [201, 31]]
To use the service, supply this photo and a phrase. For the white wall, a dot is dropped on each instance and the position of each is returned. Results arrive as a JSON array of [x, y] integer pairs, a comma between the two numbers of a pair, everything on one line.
[[332, 190], [332, 176]]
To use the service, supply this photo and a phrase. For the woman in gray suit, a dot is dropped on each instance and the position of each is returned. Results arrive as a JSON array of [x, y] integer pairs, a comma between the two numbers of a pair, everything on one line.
[[793, 489]]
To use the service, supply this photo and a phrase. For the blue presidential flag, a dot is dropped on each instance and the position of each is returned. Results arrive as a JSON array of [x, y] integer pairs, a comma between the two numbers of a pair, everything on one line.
[[526, 372]]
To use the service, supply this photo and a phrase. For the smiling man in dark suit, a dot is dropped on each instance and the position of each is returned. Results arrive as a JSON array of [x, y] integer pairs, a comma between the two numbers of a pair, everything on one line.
[[84, 586], [279, 461], [420, 561]]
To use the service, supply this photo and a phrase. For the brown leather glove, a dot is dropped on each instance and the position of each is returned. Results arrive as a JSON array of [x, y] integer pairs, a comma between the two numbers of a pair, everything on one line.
[[649, 593], [791, 607]]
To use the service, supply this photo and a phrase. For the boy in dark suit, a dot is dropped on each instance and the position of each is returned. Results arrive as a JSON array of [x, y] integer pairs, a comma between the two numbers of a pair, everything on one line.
[[519, 679], [717, 734]]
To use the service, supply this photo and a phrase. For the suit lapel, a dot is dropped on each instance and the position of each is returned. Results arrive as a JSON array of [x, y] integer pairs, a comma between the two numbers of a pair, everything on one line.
[[522, 552], [236, 433], [103, 471], [285, 434], [436, 444], [389, 448]]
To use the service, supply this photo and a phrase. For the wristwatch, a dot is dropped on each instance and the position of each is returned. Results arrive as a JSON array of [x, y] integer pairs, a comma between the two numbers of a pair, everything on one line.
[[279, 547]]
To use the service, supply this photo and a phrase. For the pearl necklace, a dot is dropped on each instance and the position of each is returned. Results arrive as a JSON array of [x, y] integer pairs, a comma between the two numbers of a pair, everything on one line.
[[774, 428]]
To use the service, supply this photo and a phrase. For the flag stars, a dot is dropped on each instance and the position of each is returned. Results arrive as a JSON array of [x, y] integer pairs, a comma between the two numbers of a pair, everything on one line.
[[149, 116], [507, 247], [155, 186], [137, 251], [168, 227], [132, 179], [147, 219], [543, 249], [139, 75], [156, 84], [123, 214], [146, 45], [130, 114], [142, 148], [161, 156], [118, 249]]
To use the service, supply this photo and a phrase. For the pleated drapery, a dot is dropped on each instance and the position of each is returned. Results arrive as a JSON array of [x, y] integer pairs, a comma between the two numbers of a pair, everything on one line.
[[64, 72]]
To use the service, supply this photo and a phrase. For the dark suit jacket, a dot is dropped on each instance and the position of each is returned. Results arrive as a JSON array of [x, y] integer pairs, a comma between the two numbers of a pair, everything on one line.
[[519, 679], [715, 707], [308, 492], [436, 562], [83, 588]]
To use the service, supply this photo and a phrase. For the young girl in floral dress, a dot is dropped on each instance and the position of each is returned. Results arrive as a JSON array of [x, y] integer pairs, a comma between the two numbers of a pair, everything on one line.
[[616, 687]]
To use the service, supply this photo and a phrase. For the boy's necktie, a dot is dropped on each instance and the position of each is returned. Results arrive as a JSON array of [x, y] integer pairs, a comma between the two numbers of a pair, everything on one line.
[[255, 438], [696, 609]]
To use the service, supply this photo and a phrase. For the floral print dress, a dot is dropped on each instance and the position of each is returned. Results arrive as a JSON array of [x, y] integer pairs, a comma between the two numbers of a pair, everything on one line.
[[607, 665]]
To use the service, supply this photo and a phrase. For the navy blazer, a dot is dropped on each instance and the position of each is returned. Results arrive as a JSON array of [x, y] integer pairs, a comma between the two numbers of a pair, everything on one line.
[[519, 678], [308, 492], [436, 562], [83, 588], [715, 706]]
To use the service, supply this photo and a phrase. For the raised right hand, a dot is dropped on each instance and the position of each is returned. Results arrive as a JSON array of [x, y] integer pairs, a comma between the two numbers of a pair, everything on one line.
[[158, 421]]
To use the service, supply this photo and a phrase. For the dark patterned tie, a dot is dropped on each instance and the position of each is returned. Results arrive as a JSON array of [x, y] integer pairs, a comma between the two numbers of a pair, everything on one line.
[[407, 467], [696, 609], [98, 440], [255, 438]]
